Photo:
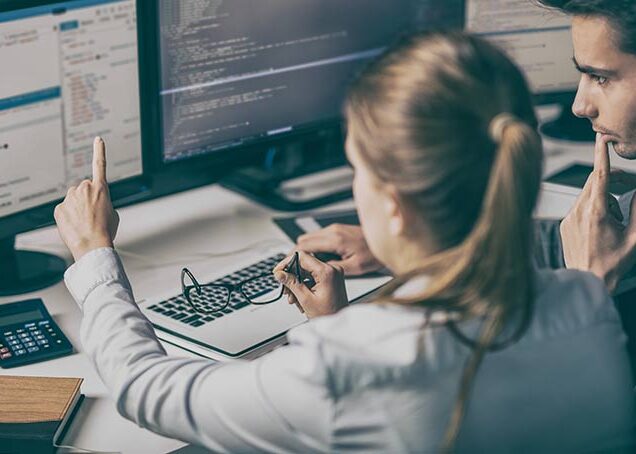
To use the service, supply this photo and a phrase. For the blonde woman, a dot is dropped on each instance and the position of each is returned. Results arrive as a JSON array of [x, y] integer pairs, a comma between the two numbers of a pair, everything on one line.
[[469, 349]]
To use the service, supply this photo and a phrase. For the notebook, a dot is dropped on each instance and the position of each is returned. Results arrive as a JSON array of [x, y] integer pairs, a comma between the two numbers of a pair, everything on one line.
[[35, 412]]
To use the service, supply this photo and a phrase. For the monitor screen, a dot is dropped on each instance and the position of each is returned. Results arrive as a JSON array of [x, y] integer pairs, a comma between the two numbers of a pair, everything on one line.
[[69, 73], [538, 40], [233, 72]]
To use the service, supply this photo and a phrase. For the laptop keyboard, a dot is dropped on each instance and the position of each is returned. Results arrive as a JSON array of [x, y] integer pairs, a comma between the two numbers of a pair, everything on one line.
[[178, 308]]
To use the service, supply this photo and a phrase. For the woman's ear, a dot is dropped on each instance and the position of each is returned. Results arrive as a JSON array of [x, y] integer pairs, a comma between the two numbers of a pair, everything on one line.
[[394, 211]]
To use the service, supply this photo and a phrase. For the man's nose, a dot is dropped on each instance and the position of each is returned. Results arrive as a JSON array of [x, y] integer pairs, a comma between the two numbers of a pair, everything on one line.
[[584, 106]]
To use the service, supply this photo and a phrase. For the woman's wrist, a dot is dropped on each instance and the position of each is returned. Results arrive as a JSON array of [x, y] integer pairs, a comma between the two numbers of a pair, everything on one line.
[[85, 246]]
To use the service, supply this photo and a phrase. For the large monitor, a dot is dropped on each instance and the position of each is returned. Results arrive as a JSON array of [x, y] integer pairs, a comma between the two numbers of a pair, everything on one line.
[[69, 73], [234, 72], [244, 76], [539, 40]]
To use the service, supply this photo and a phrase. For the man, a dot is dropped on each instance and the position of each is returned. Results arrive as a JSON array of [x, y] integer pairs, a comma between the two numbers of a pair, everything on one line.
[[593, 236]]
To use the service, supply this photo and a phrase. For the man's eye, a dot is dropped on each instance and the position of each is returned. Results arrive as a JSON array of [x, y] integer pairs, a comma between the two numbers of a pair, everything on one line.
[[600, 80]]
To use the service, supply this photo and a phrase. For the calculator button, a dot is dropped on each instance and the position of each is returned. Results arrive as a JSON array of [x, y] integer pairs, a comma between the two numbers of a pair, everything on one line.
[[59, 341], [34, 349], [5, 355], [29, 344], [10, 338], [23, 335], [19, 331], [4, 350], [14, 342], [19, 352], [37, 332], [8, 333], [43, 342]]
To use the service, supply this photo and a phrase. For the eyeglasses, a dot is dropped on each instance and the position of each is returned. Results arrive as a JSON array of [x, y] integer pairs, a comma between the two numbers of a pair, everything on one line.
[[259, 290]]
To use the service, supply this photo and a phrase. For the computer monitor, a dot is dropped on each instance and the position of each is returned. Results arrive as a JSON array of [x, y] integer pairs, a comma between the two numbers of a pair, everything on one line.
[[69, 73], [249, 75], [539, 40]]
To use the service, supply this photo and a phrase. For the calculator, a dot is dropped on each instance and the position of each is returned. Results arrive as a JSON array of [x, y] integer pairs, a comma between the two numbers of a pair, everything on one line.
[[28, 334]]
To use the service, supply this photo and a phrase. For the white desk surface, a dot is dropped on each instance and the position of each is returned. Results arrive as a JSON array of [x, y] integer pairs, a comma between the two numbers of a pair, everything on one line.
[[171, 232]]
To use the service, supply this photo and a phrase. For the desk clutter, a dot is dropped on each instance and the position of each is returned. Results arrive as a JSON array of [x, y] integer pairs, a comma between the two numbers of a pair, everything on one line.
[[35, 412]]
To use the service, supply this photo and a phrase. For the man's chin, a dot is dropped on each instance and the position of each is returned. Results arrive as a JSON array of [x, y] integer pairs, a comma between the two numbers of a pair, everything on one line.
[[625, 150]]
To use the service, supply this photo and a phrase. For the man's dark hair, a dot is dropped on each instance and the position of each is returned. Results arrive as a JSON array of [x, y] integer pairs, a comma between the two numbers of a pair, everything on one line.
[[621, 14]]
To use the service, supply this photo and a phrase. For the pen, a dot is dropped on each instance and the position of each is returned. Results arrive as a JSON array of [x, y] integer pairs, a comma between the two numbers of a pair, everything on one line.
[[294, 267]]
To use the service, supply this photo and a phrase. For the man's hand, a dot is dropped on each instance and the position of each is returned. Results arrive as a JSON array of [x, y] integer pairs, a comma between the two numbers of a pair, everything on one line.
[[348, 242], [593, 237], [86, 219]]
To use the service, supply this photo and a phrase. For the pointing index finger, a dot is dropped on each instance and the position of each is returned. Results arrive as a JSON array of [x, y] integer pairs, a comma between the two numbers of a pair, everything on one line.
[[99, 161]]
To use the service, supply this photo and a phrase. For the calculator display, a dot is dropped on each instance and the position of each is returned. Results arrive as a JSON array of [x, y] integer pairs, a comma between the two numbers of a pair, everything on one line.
[[22, 317]]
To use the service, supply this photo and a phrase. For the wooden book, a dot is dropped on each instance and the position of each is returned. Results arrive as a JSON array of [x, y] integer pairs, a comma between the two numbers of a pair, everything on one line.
[[35, 411]]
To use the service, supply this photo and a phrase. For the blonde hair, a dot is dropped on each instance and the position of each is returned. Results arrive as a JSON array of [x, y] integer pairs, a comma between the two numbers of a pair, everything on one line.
[[447, 119]]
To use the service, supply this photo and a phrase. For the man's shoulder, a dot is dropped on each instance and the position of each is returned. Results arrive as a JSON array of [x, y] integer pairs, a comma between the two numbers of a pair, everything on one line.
[[571, 300]]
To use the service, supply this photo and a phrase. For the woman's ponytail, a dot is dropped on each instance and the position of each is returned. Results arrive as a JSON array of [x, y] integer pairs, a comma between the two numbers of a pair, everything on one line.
[[447, 120], [500, 246]]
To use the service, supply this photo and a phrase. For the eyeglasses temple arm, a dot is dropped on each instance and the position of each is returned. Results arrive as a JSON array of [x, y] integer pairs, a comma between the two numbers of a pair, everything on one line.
[[186, 272]]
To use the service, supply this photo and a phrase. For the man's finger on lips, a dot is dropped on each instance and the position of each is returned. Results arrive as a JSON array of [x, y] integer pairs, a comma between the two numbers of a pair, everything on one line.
[[99, 161], [601, 165]]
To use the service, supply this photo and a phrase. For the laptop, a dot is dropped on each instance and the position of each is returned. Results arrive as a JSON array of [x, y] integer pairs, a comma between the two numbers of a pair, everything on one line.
[[242, 330]]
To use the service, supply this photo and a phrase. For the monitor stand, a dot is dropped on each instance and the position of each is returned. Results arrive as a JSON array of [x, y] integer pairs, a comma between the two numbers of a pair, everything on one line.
[[569, 127], [27, 271], [303, 174]]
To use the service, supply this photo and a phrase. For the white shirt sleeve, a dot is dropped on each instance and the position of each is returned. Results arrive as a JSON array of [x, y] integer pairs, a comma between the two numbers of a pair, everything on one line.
[[280, 402]]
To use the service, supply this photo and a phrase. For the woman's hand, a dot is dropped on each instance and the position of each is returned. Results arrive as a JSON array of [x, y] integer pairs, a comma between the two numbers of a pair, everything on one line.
[[348, 242], [86, 219], [326, 297]]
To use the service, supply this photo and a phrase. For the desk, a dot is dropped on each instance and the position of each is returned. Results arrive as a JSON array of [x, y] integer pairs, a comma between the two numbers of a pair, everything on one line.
[[169, 231]]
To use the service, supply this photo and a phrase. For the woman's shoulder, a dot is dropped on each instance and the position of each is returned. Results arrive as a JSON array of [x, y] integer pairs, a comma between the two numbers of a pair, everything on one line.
[[366, 330]]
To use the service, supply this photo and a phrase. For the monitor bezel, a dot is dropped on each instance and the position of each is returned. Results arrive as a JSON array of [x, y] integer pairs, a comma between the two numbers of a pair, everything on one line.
[[123, 192]]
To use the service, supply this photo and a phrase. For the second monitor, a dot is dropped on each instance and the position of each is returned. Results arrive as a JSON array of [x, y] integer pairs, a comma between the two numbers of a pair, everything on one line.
[[69, 73]]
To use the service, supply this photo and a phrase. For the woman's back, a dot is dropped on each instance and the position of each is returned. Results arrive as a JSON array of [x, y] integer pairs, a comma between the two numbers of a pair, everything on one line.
[[565, 385]]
